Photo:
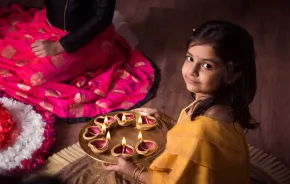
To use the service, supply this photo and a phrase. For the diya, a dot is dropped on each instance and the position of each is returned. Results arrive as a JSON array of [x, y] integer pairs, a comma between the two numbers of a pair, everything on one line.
[[145, 147], [123, 150], [100, 145], [125, 118], [92, 132], [146, 122], [109, 121]]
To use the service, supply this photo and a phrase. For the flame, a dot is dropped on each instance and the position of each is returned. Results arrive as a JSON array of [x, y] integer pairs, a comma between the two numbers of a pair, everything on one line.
[[140, 136], [140, 120], [124, 118], [106, 121], [124, 141], [108, 137], [104, 129]]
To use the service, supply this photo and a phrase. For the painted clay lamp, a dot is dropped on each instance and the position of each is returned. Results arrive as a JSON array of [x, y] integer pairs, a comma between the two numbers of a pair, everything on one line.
[[146, 122], [100, 145], [123, 150], [125, 118], [92, 132], [145, 147]]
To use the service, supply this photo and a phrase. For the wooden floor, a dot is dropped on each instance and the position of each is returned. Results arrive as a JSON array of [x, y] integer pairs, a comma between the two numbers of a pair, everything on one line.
[[163, 26]]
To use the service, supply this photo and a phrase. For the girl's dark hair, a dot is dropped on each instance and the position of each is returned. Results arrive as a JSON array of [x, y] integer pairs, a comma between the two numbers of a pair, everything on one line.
[[235, 47]]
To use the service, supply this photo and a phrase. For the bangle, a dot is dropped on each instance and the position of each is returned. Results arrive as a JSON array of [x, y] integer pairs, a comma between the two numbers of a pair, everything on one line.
[[135, 171], [139, 174]]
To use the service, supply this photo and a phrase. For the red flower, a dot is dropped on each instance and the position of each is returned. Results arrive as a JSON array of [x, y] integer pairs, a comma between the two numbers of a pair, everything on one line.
[[7, 127]]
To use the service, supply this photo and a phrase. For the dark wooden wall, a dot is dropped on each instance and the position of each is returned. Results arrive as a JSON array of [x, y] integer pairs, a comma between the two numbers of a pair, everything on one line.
[[163, 26]]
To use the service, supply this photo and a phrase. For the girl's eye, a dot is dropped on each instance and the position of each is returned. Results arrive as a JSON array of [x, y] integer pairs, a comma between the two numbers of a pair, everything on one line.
[[207, 66], [189, 59]]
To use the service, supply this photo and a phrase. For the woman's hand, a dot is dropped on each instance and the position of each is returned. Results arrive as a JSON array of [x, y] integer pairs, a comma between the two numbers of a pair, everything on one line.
[[123, 167], [43, 48], [149, 111]]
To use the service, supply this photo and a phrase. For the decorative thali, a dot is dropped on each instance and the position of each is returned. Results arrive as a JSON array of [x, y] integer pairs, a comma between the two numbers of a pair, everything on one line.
[[124, 133]]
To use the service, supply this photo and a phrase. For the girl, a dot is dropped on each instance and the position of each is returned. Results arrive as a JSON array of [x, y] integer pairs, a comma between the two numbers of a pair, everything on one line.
[[207, 145], [68, 59]]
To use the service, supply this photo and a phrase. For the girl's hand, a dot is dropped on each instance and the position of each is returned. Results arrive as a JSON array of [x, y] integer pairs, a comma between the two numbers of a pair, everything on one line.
[[43, 48], [149, 111], [123, 167]]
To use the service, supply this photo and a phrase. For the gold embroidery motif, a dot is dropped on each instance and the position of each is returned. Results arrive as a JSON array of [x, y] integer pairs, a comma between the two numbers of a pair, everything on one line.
[[52, 93], [5, 73], [46, 106], [23, 87], [80, 98], [135, 79], [102, 104], [58, 61], [139, 64], [118, 91], [21, 63], [41, 30], [80, 83], [28, 37], [127, 105], [9, 52], [124, 74], [37, 79], [77, 110], [99, 92], [23, 95]]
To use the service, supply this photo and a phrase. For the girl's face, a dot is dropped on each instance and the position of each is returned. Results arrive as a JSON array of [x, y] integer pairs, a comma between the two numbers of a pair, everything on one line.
[[203, 71]]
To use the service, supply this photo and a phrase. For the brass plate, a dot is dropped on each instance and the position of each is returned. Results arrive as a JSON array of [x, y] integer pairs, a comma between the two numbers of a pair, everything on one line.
[[157, 134]]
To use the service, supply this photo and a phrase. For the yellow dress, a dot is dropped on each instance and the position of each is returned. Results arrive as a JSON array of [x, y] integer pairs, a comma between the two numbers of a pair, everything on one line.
[[203, 151]]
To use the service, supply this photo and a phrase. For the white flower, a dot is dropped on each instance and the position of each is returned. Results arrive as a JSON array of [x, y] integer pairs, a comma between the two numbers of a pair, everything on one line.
[[30, 138]]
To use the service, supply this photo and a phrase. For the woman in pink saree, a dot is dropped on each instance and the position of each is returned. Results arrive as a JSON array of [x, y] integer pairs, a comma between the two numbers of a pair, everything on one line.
[[67, 59]]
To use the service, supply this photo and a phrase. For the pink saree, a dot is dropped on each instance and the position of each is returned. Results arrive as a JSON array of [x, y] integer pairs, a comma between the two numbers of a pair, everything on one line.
[[105, 75]]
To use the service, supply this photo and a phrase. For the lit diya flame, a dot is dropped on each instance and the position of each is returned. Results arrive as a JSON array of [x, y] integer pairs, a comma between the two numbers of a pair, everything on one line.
[[123, 150], [146, 122], [106, 122], [92, 132], [108, 137], [109, 121], [124, 142], [104, 129], [125, 118], [140, 137], [140, 120], [145, 147]]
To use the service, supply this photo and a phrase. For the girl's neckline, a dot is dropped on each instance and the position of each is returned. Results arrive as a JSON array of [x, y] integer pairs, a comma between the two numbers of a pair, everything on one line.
[[191, 108], [235, 125]]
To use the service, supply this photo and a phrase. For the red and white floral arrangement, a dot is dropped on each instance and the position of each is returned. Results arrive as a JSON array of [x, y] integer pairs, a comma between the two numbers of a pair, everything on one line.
[[26, 136]]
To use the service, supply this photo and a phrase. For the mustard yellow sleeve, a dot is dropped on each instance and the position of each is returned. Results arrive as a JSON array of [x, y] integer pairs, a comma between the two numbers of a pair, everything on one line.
[[180, 171]]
